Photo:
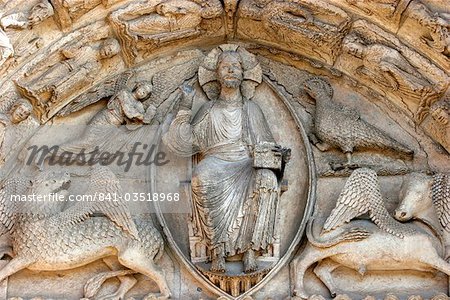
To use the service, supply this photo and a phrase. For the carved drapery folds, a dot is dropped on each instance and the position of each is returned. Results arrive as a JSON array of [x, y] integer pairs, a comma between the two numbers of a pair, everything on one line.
[[49, 88], [309, 142]]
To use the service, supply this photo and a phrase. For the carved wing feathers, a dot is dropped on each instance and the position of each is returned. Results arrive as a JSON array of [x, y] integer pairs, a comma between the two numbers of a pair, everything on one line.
[[102, 183], [105, 89], [352, 201], [362, 194], [8, 206], [440, 190]]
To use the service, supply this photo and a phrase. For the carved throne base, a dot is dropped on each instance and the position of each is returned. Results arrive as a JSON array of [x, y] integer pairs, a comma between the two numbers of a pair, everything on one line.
[[235, 281]]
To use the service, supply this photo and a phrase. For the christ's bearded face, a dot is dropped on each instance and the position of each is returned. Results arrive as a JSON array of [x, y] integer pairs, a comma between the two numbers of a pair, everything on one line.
[[229, 70]]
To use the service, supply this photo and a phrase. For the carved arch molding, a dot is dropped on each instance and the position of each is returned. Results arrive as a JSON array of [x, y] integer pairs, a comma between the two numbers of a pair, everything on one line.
[[344, 105]]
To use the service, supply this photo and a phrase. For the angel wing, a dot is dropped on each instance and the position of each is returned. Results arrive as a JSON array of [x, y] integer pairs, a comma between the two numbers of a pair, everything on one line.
[[8, 206], [105, 89], [440, 190], [169, 80], [102, 182], [361, 194]]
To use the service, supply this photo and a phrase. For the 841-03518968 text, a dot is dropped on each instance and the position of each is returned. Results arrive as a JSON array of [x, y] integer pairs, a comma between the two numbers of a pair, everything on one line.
[[136, 197]]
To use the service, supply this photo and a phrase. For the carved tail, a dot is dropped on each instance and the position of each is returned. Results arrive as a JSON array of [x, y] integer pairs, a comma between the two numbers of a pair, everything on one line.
[[378, 139], [352, 235]]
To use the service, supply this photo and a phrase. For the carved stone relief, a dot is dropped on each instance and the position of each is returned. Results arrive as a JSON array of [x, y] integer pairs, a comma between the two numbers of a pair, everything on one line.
[[313, 28], [148, 25], [385, 13], [307, 144], [49, 87], [431, 32], [376, 56]]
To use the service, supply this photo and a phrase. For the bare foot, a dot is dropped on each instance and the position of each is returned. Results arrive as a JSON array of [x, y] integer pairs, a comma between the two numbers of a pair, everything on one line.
[[250, 261], [218, 264]]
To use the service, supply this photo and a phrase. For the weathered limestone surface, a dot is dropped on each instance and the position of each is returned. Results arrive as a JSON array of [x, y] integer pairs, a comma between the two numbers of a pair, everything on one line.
[[300, 149]]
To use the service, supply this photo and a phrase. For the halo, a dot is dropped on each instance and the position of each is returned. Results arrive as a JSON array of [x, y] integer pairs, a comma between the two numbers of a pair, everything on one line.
[[207, 74]]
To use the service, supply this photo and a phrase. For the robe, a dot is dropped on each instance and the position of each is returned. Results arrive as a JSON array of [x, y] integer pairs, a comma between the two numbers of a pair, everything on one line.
[[234, 204]]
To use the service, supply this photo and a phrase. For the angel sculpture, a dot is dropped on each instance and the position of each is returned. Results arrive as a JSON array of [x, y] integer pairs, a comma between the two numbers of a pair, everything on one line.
[[18, 113], [125, 107], [148, 103], [49, 237]]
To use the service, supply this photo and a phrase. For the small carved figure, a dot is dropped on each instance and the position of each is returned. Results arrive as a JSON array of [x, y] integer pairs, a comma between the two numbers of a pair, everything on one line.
[[19, 112], [155, 23], [297, 22], [123, 108], [48, 237], [362, 246], [37, 14], [235, 186], [387, 66], [435, 119], [438, 26], [80, 65], [341, 127], [68, 11], [40, 12]]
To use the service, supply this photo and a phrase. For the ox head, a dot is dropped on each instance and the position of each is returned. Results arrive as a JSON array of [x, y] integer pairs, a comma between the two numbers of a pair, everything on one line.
[[415, 197]]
